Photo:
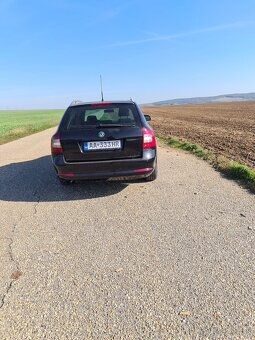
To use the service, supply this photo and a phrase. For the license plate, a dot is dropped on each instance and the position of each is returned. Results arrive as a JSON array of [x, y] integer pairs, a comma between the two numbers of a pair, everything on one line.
[[102, 145]]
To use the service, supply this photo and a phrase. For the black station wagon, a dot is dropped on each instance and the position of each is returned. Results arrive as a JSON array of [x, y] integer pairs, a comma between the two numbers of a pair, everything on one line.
[[104, 140]]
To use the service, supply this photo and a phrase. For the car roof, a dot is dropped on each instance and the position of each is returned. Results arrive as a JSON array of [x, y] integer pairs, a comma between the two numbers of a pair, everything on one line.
[[78, 102]]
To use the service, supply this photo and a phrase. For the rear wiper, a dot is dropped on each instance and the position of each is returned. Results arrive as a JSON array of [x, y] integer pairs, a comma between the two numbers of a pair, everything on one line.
[[115, 125]]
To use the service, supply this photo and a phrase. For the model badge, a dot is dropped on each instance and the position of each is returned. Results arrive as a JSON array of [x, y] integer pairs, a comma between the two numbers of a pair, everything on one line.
[[101, 134]]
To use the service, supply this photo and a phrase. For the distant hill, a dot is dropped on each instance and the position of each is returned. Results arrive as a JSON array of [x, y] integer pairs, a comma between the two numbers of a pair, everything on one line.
[[213, 99]]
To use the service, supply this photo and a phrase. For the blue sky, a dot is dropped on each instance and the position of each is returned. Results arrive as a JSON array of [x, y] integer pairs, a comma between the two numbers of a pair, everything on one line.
[[52, 51]]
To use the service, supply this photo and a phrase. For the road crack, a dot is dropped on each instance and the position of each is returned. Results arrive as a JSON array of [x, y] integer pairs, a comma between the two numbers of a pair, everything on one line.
[[35, 207], [36, 203], [13, 260], [17, 271]]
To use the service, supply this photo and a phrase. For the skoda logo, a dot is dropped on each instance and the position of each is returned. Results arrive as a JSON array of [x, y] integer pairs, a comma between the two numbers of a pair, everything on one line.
[[101, 134]]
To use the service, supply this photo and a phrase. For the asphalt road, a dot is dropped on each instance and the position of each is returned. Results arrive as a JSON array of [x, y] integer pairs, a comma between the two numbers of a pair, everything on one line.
[[171, 259]]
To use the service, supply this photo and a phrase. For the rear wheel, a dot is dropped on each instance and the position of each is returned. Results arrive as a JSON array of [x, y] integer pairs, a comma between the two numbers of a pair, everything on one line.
[[65, 181], [153, 175]]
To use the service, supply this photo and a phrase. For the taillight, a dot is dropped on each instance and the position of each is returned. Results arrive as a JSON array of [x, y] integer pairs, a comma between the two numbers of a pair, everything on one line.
[[149, 140], [55, 144]]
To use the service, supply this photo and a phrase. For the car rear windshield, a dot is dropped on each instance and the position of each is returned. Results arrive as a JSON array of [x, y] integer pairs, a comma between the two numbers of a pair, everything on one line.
[[100, 115]]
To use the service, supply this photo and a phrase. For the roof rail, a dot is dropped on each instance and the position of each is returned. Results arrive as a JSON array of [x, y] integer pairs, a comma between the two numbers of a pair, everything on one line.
[[74, 102]]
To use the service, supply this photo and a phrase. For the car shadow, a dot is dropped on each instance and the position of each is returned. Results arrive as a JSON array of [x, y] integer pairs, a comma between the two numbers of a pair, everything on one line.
[[35, 180]]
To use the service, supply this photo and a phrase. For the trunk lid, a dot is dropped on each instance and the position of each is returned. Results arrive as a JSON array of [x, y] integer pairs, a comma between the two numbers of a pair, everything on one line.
[[131, 140]]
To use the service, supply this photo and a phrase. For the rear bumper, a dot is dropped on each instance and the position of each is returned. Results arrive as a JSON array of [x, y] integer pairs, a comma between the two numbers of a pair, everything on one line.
[[131, 168]]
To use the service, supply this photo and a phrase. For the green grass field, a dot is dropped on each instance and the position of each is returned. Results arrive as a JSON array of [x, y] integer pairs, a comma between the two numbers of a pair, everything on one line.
[[20, 123]]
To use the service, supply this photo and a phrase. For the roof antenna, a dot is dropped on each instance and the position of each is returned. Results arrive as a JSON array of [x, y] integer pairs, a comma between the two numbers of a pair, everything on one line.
[[101, 83]]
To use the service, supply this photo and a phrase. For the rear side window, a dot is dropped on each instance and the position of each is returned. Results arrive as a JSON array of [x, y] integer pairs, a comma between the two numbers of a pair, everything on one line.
[[87, 116]]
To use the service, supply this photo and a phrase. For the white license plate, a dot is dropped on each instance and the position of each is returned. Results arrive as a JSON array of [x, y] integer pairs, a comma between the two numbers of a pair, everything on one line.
[[102, 145]]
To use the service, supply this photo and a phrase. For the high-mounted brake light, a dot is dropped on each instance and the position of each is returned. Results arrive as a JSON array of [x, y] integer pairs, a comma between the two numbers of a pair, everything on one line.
[[100, 104], [55, 144], [149, 140]]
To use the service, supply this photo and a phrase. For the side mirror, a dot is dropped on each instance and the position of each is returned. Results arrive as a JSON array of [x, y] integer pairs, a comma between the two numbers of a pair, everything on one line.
[[147, 117]]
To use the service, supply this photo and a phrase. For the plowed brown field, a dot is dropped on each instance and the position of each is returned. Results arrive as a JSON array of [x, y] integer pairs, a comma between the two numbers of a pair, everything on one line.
[[225, 128]]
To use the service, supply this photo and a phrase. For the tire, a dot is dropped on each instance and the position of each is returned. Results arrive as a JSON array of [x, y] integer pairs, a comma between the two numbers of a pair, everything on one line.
[[153, 175], [65, 181]]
